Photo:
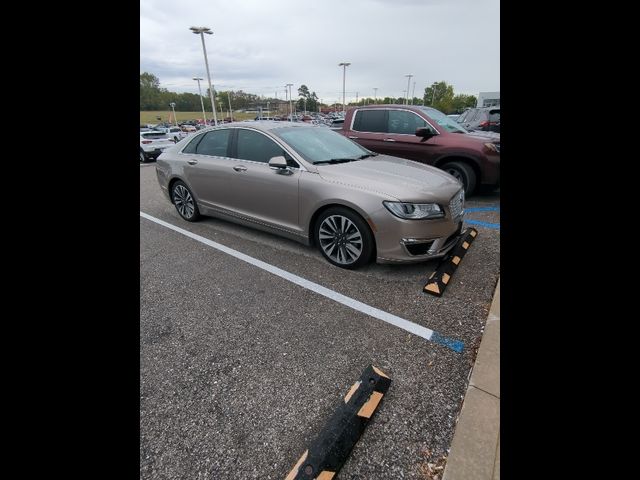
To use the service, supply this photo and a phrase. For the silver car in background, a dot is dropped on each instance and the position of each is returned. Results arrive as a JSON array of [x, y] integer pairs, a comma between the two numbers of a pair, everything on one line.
[[317, 187]]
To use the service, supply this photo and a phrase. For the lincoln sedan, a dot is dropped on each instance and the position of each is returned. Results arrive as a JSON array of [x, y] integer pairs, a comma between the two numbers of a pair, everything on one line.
[[315, 186]]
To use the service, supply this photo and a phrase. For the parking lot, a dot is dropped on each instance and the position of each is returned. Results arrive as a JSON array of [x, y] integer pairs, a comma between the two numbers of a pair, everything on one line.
[[240, 368]]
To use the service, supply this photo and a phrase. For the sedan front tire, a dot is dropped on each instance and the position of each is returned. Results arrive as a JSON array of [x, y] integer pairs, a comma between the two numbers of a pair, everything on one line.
[[344, 238]]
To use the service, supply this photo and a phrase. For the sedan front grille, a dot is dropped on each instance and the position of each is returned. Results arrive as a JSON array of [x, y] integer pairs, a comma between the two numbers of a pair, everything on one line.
[[456, 205]]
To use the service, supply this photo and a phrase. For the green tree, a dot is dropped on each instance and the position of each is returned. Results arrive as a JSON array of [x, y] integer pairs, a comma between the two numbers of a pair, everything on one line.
[[310, 97], [149, 91], [461, 101], [439, 96]]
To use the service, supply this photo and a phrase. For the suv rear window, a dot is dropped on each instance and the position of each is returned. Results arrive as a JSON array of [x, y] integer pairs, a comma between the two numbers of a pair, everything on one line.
[[494, 116], [370, 121], [156, 135]]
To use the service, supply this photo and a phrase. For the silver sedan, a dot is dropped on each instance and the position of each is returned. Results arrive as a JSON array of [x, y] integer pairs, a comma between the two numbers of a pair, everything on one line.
[[317, 187]]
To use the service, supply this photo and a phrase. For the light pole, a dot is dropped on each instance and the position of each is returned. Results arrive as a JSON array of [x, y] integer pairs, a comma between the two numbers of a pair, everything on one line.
[[201, 31], [356, 98], [413, 93], [433, 97], [230, 111], [201, 101], [375, 94], [408, 82], [344, 66], [290, 104], [173, 107]]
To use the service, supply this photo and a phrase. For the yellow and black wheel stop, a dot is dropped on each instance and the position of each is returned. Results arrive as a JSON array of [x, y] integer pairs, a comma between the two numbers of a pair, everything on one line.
[[441, 276], [331, 448]]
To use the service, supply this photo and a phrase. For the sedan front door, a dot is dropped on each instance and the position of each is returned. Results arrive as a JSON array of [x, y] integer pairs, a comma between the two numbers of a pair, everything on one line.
[[258, 191]]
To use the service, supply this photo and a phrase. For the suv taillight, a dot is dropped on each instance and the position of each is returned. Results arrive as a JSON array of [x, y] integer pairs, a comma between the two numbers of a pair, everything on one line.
[[146, 141], [484, 124]]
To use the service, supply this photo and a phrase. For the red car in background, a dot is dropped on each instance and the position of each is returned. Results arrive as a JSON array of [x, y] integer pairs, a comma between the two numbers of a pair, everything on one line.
[[428, 136]]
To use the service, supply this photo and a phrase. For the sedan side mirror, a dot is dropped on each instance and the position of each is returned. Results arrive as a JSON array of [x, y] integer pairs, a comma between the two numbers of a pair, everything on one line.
[[425, 133], [279, 163]]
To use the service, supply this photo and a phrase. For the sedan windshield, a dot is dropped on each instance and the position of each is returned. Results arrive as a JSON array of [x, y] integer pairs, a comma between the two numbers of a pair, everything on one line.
[[321, 145], [441, 119]]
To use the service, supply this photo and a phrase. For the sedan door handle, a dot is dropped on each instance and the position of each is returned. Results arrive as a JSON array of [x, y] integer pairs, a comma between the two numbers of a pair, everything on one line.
[[389, 140], [192, 162], [240, 168]]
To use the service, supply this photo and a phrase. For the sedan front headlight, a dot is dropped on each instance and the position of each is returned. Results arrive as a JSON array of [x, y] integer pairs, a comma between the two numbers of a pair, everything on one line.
[[414, 211]]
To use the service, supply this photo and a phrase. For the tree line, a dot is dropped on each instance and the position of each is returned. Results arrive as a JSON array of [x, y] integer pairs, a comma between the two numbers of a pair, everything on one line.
[[439, 95]]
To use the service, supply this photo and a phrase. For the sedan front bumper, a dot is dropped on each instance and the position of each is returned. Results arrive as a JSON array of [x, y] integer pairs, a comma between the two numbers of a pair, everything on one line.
[[411, 241]]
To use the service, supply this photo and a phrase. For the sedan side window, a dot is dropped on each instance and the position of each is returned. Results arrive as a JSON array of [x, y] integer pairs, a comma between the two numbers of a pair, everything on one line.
[[401, 121], [257, 147], [191, 147], [214, 143]]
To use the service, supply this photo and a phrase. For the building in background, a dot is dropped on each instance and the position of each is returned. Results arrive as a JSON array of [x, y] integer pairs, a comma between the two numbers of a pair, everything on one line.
[[488, 99]]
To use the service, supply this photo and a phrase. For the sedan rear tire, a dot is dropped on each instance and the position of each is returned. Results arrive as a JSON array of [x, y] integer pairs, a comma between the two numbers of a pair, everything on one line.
[[344, 238], [143, 157], [184, 202]]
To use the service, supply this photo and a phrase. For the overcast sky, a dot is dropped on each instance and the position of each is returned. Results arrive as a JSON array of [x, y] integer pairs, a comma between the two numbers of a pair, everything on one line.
[[260, 45]]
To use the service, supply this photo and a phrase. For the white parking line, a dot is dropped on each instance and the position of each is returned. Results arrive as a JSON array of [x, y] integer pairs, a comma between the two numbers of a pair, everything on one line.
[[406, 325]]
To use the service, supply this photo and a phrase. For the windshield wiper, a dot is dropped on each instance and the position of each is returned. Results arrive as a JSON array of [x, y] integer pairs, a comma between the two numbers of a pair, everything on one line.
[[336, 160], [367, 155]]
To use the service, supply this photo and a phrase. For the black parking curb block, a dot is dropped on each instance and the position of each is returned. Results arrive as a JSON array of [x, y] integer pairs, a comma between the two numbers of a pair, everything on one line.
[[439, 279], [331, 448]]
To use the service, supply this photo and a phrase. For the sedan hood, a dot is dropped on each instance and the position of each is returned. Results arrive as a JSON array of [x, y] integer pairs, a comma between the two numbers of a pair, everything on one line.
[[404, 180]]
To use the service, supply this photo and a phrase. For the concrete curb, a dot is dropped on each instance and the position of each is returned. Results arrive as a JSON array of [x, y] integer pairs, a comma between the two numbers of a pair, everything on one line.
[[475, 449]]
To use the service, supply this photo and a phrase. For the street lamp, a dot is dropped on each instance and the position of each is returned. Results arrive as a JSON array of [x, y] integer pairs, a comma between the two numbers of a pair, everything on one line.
[[408, 82], [230, 111], [433, 97], [201, 101], [413, 93], [201, 31], [290, 104], [375, 94], [344, 66], [173, 107]]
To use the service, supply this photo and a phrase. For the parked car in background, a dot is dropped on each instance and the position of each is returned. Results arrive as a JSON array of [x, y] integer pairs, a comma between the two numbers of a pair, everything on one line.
[[188, 128], [152, 144], [454, 116], [486, 119], [312, 185], [173, 132], [428, 136]]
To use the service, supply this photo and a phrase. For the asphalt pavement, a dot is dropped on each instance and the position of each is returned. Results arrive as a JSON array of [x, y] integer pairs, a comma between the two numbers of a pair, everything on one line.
[[240, 368]]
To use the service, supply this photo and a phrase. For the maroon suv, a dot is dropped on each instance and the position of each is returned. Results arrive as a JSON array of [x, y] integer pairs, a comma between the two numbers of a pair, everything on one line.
[[428, 136]]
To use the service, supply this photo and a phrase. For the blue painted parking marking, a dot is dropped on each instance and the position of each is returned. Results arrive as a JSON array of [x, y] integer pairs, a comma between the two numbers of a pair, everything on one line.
[[482, 224], [494, 208], [482, 209]]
